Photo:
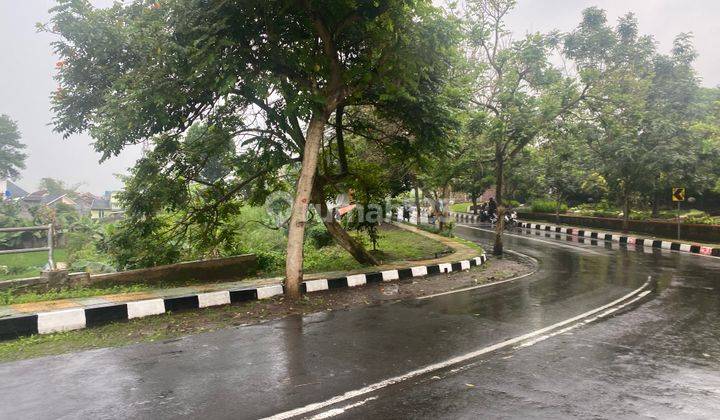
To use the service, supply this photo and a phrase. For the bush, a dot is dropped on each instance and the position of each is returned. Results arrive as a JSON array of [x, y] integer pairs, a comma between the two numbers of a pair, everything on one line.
[[269, 261], [547, 206], [319, 236], [600, 209], [701, 218], [447, 232]]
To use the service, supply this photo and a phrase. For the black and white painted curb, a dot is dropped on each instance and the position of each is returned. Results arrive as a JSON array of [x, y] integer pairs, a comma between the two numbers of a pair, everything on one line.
[[91, 316], [622, 239], [604, 236]]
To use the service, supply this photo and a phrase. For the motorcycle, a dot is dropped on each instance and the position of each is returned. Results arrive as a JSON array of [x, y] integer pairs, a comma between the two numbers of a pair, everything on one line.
[[511, 219], [487, 217], [493, 218]]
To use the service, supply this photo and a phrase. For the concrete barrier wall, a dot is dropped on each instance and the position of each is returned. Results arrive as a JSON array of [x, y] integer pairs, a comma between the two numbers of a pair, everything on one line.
[[700, 233], [220, 269]]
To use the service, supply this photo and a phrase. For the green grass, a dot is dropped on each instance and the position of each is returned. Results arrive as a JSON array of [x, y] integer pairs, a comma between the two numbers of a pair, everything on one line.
[[547, 206], [460, 207], [394, 245], [27, 264], [471, 244]]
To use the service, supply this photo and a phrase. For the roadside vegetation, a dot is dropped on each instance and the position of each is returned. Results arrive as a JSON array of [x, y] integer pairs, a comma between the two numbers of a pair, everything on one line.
[[605, 209]]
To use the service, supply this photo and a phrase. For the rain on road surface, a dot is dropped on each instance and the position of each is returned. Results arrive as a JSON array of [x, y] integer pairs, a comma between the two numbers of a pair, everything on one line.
[[660, 359]]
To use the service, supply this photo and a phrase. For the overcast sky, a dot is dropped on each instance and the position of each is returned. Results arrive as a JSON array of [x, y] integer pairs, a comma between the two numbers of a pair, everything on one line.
[[28, 64]]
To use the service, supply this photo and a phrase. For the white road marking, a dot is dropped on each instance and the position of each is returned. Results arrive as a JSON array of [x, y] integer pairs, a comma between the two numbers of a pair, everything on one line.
[[583, 322], [451, 362], [337, 411], [479, 286]]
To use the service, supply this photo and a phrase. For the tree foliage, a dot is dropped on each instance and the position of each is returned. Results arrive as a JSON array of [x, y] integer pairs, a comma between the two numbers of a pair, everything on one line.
[[267, 74], [12, 158]]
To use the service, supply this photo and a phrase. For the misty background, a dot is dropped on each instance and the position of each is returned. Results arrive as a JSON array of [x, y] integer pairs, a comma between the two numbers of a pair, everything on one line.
[[27, 65]]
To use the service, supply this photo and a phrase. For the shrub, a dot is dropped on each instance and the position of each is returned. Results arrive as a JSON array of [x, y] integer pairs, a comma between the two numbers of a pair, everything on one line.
[[601, 209], [269, 261], [447, 232], [701, 218], [319, 236], [547, 206]]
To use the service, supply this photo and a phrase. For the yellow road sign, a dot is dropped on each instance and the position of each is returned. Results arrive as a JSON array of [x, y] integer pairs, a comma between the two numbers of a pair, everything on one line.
[[678, 194]]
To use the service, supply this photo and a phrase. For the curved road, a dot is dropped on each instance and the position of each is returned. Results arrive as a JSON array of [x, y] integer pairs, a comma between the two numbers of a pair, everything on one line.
[[661, 359]]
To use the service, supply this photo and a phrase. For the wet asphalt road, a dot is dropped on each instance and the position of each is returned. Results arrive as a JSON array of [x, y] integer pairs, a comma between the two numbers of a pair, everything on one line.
[[660, 359]]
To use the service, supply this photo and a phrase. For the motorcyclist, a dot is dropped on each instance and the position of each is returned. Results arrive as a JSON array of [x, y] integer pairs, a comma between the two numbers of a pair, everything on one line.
[[492, 207]]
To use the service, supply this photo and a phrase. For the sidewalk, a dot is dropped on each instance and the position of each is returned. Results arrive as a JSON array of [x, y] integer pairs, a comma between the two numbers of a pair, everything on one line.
[[67, 314]]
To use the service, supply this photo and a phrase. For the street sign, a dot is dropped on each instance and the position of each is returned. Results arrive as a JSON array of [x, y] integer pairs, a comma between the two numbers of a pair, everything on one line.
[[678, 194]]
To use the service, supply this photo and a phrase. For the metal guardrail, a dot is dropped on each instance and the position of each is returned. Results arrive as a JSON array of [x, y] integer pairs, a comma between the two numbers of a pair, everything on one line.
[[48, 248]]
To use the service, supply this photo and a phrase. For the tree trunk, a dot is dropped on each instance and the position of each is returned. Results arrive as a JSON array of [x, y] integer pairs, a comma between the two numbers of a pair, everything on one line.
[[557, 208], [298, 216], [442, 209], [474, 198], [341, 236], [655, 204], [626, 210], [499, 178], [417, 205]]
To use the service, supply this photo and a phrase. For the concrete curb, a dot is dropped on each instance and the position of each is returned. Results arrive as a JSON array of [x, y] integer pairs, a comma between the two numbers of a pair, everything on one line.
[[604, 236], [622, 239], [96, 315]]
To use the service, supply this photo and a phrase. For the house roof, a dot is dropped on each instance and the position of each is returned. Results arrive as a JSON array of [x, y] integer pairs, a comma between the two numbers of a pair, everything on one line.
[[85, 199], [100, 204], [12, 190], [52, 198], [35, 196]]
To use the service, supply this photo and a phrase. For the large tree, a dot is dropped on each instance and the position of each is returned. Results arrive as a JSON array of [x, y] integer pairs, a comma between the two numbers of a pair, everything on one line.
[[12, 158], [269, 73], [639, 110], [518, 92]]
